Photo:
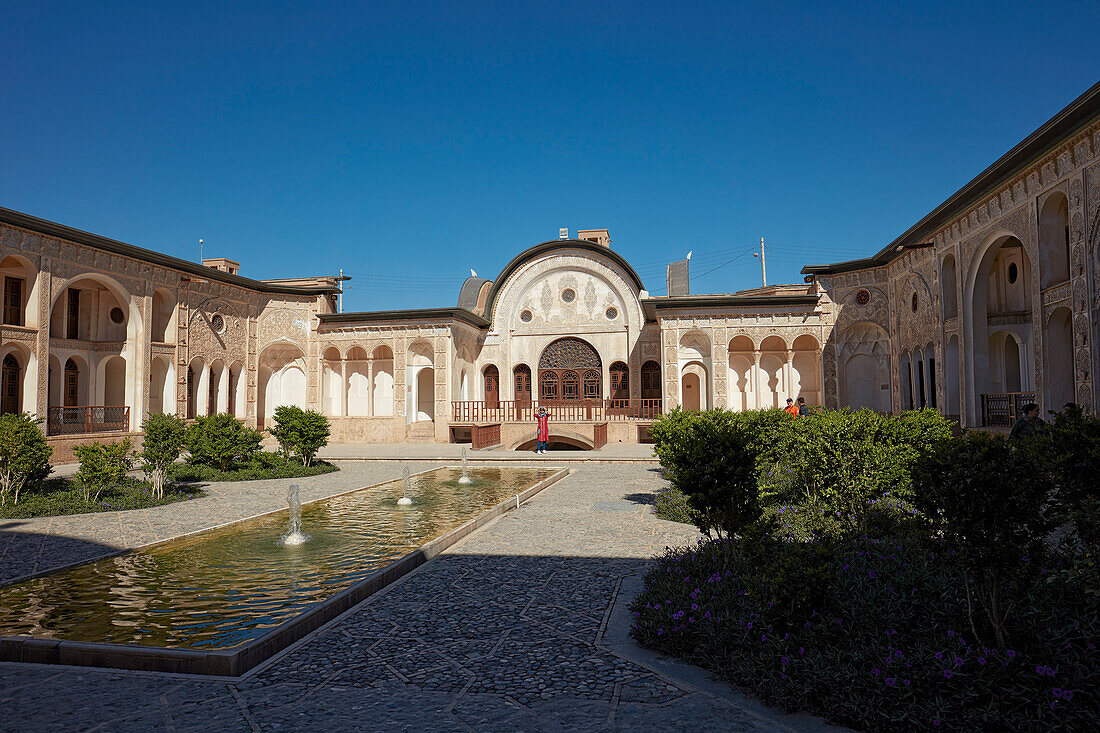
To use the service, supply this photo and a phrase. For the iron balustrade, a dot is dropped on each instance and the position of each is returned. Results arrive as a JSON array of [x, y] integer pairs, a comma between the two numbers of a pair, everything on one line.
[[580, 410], [1002, 409], [83, 420]]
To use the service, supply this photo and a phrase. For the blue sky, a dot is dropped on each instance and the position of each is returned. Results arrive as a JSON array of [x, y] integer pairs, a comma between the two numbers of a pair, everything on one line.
[[409, 142]]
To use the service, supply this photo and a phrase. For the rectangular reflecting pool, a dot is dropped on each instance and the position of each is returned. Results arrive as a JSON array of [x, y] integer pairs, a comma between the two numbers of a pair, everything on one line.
[[226, 587]]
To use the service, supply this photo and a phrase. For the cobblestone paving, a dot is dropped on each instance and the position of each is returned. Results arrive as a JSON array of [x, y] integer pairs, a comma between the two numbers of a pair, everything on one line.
[[503, 632]]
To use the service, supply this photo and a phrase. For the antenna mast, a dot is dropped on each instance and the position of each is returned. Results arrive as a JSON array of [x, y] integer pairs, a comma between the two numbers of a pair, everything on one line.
[[763, 267]]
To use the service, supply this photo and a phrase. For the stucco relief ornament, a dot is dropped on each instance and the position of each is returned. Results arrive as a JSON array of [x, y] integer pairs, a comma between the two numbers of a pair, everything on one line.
[[546, 299], [590, 295]]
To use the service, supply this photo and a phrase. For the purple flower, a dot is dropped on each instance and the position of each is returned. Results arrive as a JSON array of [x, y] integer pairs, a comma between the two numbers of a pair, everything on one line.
[[981, 660], [801, 651], [948, 674], [1011, 654], [875, 671], [890, 681], [784, 660]]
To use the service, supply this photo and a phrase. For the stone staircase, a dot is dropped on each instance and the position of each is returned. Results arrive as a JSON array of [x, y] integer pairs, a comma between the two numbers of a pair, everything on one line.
[[421, 432]]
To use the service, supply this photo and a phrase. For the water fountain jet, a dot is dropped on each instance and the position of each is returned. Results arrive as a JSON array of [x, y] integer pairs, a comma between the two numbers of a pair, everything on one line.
[[465, 478], [294, 534], [405, 500]]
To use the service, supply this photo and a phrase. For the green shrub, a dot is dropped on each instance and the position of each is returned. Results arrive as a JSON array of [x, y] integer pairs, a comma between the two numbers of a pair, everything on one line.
[[161, 447], [845, 461], [24, 455], [990, 501], [1073, 443], [671, 504], [221, 441], [102, 466], [300, 432], [707, 457]]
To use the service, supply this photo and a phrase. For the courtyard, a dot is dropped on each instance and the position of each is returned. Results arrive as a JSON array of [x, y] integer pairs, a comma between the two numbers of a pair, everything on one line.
[[523, 625]]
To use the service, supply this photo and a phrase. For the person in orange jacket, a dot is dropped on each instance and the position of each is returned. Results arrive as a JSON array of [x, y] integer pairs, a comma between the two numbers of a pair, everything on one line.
[[791, 408]]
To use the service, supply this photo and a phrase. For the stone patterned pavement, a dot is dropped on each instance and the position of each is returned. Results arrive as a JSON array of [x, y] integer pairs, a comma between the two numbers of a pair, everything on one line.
[[518, 627]]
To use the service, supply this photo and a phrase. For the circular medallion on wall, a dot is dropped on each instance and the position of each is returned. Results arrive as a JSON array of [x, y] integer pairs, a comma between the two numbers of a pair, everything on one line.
[[117, 316], [1013, 272], [611, 314], [568, 295], [526, 316], [863, 297], [914, 302], [217, 323]]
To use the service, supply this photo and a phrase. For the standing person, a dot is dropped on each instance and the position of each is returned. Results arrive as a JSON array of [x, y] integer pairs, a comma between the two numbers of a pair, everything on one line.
[[1030, 424], [803, 408], [791, 409], [542, 434]]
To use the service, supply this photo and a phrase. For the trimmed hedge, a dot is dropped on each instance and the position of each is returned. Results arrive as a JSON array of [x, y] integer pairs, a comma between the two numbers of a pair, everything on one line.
[[263, 465]]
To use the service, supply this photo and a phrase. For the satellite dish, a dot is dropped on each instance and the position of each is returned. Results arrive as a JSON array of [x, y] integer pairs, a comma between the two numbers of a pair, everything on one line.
[[472, 273]]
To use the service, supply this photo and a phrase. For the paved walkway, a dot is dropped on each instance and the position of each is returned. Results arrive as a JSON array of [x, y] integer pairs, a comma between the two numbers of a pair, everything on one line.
[[522, 626]]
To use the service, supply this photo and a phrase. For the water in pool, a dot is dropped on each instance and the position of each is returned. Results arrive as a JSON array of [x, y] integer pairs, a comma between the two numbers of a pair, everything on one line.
[[223, 587]]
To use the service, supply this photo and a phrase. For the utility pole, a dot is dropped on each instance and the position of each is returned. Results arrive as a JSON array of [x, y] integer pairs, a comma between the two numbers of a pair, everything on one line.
[[340, 298], [763, 267]]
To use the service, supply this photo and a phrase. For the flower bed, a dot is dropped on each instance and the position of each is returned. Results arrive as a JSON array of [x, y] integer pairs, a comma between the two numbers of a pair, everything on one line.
[[60, 496], [874, 635]]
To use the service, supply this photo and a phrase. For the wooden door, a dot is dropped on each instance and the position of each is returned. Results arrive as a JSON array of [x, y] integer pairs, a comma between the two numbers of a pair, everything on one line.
[[13, 301], [522, 376], [492, 387], [72, 383], [9, 385]]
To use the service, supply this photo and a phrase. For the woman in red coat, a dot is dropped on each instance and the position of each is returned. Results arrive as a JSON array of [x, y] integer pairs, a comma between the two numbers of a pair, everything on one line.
[[542, 435]]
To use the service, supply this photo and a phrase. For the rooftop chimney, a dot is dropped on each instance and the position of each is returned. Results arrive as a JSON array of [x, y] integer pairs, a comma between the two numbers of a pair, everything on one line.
[[679, 283], [599, 236], [221, 263]]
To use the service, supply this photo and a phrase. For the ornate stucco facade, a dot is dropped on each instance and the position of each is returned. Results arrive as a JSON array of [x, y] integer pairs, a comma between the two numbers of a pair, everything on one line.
[[990, 300]]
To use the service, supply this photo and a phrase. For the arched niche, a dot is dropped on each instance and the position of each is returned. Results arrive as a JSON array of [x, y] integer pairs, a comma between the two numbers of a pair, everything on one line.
[[949, 295], [999, 294], [1054, 255], [19, 280]]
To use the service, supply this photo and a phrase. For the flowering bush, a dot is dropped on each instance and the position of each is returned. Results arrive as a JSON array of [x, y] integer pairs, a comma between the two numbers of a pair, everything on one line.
[[885, 643]]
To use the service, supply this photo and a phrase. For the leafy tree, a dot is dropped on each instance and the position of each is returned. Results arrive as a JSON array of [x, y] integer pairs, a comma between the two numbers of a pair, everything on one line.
[[161, 448], [991, 502], [707, 456], [300, 432], [221, 441], [102, 466], [24, 455]]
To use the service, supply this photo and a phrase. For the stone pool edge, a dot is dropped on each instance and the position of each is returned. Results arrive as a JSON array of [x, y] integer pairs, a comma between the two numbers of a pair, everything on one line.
[[238, 660]]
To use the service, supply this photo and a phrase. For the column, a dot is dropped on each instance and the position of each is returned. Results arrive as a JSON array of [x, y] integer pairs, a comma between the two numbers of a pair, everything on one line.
[[344, 386], [370, 385], [755, 379], [787, 381]]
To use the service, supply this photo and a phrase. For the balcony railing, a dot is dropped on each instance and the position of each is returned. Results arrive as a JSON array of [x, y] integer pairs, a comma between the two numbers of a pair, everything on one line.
[[1002, 409], [476, 411], [82, 420]]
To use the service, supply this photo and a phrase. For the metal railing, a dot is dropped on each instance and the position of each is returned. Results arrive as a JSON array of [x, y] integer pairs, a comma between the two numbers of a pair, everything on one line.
[[1002, 409], [597, 410], [82, 420]]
